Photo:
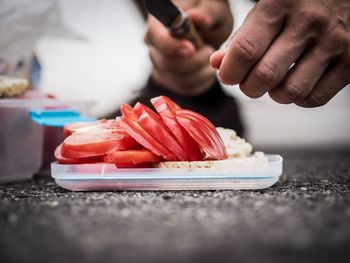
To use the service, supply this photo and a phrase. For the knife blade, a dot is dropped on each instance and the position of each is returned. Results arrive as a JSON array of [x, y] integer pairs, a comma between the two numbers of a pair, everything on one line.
[[175, 19]]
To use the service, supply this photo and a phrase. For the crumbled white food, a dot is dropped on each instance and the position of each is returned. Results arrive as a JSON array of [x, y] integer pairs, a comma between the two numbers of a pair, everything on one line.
[[235, 146], [193, 164], [12, 86]]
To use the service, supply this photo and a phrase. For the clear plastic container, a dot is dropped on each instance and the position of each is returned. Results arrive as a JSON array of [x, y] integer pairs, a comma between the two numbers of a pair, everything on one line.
[[21, 139], [98, 177]]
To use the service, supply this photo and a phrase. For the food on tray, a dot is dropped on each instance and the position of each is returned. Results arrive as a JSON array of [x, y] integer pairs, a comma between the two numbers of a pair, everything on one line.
[[65, 160], [11, 87], [99, 140], [251, 163], [170, 137], [240, 156]]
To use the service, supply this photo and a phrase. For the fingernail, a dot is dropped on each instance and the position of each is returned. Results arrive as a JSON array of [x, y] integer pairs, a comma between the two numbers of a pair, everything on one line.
[[185, 52]]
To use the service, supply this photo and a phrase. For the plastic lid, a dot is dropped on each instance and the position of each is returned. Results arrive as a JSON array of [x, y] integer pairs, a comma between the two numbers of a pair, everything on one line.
[[57, 118]]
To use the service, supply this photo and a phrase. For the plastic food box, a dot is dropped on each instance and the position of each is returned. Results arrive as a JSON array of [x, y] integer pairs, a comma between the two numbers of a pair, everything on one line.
[[98, 177], [22, 139]]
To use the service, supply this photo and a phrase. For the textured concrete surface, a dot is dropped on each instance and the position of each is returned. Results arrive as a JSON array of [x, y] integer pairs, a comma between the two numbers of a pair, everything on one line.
[[304, 218]]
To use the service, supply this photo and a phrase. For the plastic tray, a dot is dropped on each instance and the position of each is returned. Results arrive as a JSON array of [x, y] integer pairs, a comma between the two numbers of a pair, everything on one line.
[[98, 177]]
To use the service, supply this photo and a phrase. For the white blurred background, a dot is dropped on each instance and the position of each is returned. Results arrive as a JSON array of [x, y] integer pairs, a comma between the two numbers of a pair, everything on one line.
[[107, 62]]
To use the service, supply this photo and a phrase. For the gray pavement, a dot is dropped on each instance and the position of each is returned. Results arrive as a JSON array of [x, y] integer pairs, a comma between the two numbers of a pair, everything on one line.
[[304, 218]]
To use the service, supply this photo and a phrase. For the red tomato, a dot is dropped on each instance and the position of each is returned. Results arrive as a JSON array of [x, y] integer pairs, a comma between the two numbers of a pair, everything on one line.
[[165, 103], [166, 108], [153, 124], [71, 128], [97, 142], [203, 132], [131, 157], [129, 122], [103, 124], [63, 160]]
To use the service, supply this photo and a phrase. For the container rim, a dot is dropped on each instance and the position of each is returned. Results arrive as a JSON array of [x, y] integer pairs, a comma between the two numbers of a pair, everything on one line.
[[102, 171], [35, 103]]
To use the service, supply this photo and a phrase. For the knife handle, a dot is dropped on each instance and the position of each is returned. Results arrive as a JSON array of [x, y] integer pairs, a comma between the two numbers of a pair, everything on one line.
[[186, 29]]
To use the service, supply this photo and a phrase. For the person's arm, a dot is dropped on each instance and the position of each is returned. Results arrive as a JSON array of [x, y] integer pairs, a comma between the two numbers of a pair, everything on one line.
[[298, 51], [177, 65]]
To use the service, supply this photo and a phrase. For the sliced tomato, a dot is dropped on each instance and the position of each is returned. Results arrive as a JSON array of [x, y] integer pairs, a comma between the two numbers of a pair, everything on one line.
[[166, 109], [80, 127], [153, 124], [71, 128], [165, 103], [63, 160], [131, 157], [98, 142], [127, 109], [129, 121], [203, 132]]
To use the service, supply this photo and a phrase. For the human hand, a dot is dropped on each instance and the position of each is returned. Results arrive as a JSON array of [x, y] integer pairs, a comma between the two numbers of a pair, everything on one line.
[[177, 65], [296, 50]]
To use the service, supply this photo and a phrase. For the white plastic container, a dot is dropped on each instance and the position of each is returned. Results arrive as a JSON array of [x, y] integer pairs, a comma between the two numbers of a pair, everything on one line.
[[21, 139], [100, 176]]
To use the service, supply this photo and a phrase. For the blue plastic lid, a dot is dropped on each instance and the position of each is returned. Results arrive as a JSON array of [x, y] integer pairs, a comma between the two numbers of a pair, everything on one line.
[[57, 117]]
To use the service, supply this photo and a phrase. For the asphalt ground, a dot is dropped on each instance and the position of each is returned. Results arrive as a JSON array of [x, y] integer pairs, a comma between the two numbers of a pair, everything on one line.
[[305, 217]]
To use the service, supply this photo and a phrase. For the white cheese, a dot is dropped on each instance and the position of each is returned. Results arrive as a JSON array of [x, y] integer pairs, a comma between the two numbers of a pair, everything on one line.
[[235, 146]]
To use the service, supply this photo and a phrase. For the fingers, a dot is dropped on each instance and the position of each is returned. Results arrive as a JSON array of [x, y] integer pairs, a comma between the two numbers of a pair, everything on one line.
[[209, 14], [300, 80], [185, 4], [202, 20], [309, 69], [249, 44], [159, 37], [298, 51], [216, 58], [276, 62], [333, 81], [177, 65], [213, 19]]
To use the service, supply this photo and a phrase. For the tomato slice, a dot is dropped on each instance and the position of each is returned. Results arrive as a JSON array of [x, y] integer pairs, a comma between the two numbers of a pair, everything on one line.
[[71, 128], [153, 124], [131, 157], [203, 132], [165, 103], [97, 142], [166, 109], [63, 160], [129, 122], [80, 127]]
